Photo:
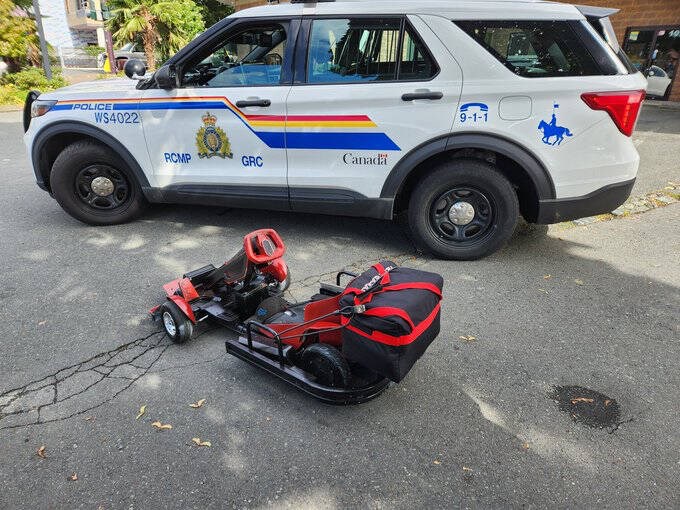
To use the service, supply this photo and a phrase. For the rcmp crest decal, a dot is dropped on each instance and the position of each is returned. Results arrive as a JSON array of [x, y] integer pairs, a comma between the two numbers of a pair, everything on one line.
[[211, 140]]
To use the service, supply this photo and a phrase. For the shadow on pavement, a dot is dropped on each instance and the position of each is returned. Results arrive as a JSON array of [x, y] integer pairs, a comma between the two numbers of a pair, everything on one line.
[[471, 425]]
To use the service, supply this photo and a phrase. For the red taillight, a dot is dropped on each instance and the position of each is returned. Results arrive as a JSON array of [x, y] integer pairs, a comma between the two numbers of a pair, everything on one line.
[[622, 107]]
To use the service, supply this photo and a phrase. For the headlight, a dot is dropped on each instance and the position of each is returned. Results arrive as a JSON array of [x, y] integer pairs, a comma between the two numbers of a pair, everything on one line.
[[41, 107]]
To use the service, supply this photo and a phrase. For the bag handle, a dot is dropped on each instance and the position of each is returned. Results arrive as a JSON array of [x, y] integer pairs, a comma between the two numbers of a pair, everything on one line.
[[382, 278]]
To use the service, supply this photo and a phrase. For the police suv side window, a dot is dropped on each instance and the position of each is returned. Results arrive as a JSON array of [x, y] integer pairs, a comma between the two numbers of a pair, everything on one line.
[[365, 50], [539, 49], [252, 56], [416, 62]]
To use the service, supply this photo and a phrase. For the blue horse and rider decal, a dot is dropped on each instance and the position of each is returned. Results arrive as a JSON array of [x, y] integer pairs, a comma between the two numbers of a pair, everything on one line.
[[552, 130]]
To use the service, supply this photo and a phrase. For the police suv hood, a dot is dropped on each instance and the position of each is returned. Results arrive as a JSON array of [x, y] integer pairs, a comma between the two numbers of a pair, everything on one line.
[[93, 89]]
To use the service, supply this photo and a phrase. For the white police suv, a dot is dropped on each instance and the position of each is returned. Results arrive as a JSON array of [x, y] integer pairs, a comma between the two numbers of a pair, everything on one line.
[[466, 114]]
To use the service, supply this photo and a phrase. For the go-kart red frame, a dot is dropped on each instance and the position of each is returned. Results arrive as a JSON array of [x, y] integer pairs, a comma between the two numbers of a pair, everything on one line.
[[299, 343]]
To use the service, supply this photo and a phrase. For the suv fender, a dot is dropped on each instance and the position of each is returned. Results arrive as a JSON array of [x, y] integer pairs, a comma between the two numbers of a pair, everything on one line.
[[541, 181], [43, 155]]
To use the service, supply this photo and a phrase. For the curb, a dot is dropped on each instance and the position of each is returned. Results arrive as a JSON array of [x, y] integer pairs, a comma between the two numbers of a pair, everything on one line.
[[9, 108], [662, 105], [634, 205]]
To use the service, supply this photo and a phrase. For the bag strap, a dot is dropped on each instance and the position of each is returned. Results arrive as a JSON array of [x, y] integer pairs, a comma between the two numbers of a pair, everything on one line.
[[383, 338], [410, 285], [384, 273], [387, 311], [382, 278]]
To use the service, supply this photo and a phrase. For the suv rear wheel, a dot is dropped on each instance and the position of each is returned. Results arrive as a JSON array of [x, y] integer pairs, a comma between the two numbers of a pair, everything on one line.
[[464, 210], [93, 185]]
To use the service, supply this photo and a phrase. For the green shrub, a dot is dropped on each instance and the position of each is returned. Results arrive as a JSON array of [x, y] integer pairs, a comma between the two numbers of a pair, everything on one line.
[[10, 95], [15, 86], [93, 51], [33, 78]]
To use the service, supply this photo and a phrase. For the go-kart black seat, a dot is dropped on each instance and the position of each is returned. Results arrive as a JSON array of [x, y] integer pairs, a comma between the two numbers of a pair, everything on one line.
[[199, 276], [231, 271]]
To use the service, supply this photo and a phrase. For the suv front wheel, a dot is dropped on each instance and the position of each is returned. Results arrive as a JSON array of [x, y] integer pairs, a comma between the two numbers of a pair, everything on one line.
[[464, 210], [93, 185]]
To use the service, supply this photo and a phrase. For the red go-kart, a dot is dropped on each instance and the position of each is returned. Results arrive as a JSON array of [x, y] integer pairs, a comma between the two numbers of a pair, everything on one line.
[[298, 342]]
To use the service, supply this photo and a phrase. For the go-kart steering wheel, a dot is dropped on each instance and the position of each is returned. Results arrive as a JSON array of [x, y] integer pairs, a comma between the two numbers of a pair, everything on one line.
[[263, 246]]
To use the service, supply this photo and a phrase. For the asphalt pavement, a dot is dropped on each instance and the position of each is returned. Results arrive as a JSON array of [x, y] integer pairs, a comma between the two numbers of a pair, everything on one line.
[[471, 426]]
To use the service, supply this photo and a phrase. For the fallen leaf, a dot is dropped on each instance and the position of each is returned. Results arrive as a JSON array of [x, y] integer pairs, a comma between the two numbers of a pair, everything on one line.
[[198, 404], [547, 276], [437, 462], [468, 338], [543, 290], [525, 446], [607, 402], [42, 323], [141, 412], [161, 426], [89, 418], [578, 282], [41, 452], [582, 399], [73, 477], [198, 441], [467, 469]]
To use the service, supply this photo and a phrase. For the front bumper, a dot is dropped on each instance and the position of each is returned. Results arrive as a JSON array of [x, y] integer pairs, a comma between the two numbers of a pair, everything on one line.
[[600, 201]]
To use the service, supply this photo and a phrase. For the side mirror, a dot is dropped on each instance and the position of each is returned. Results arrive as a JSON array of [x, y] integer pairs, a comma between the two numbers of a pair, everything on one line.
[[166, 78], [134, 69]]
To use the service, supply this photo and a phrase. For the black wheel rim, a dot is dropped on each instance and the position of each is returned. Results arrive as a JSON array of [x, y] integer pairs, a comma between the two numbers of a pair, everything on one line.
[[114, 179], [462, 215]]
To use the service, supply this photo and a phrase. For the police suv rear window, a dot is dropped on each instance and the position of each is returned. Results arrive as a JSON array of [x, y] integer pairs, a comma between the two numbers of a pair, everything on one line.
[[541, 49]]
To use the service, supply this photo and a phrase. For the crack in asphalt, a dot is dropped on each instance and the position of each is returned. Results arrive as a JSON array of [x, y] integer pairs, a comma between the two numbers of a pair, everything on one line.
[[68, 388], [619, 423], [70, 391]]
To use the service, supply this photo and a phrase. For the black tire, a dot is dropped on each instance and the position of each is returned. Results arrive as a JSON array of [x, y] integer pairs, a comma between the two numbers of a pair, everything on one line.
[[327, 364], [76, 169], [479, 192], [176, 325]]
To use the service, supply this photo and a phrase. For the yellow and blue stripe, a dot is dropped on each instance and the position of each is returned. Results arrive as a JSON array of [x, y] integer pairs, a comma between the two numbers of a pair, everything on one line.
[[343, 132]]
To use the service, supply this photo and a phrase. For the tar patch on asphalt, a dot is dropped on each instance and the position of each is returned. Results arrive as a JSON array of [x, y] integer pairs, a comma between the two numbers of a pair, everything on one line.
[[587, 406]]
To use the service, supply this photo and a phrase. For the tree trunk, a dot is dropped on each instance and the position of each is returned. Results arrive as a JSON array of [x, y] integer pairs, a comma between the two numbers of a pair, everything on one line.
[[149, 38]]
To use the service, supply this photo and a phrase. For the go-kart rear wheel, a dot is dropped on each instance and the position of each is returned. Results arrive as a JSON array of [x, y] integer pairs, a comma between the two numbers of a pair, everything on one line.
[[177, 326], [327, 364]]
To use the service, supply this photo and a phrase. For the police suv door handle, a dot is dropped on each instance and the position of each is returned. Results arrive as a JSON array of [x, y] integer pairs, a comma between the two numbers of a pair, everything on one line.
[[433, 96], [254, 102]]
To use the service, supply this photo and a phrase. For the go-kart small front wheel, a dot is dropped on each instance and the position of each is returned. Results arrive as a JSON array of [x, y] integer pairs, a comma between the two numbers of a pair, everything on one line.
[[178, 327], [327, 364]]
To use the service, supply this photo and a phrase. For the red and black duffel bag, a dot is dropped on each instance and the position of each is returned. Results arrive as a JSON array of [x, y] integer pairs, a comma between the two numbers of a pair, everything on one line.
[[400, 322]]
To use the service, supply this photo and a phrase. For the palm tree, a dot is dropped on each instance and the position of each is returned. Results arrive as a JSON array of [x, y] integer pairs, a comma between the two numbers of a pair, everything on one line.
[[164, 25]]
